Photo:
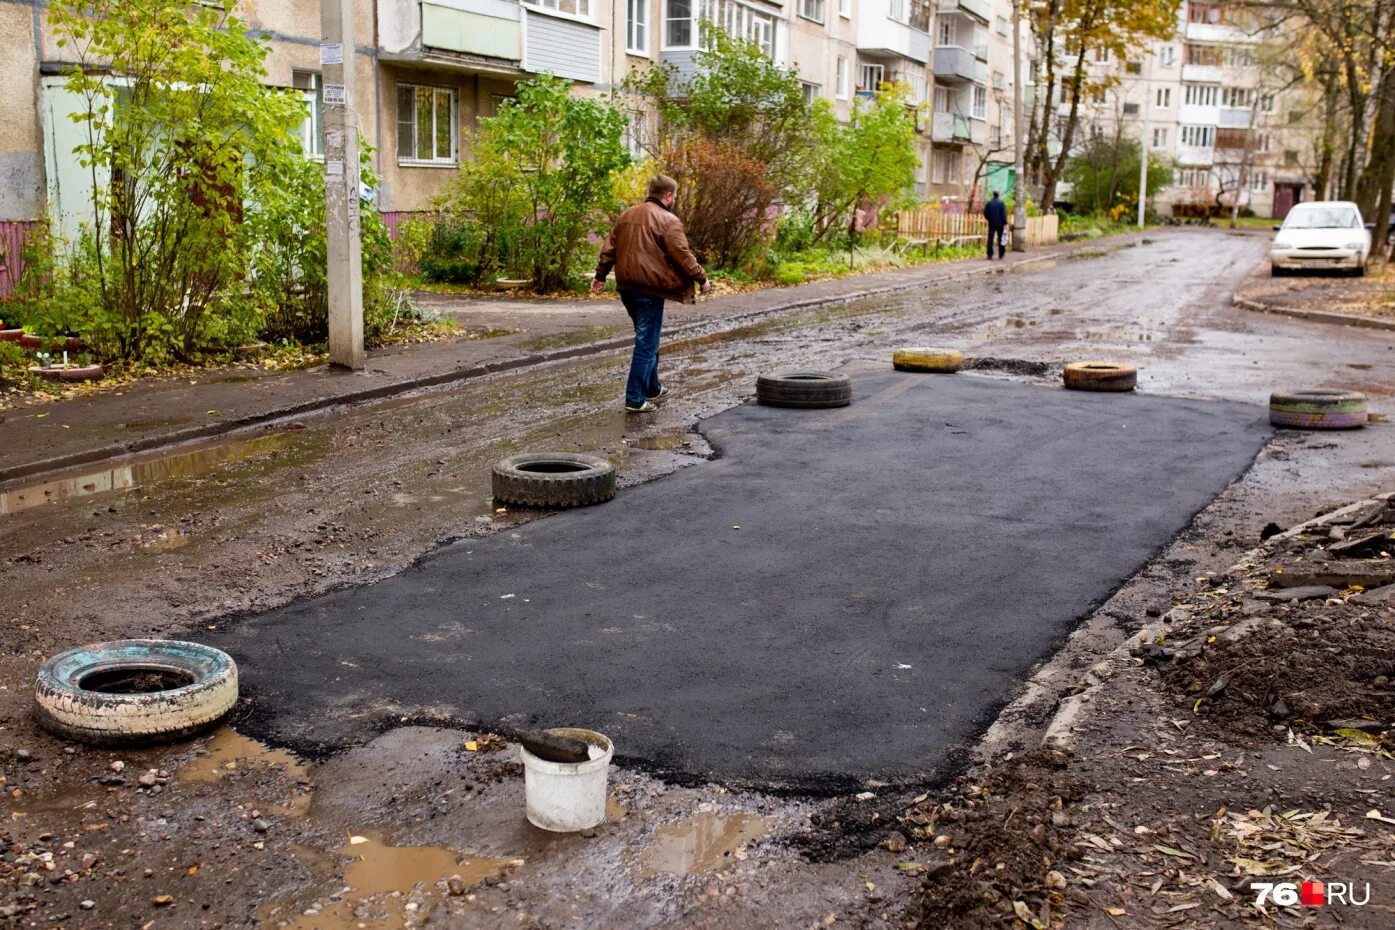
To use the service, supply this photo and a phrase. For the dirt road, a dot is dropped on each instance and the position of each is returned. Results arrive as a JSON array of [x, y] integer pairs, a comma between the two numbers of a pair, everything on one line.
[[175, 543]]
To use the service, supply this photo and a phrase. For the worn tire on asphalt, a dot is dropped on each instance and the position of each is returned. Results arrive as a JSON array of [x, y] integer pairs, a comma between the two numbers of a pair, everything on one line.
[[1317, 409], [1100, 376], [134, 691], [553, 480], [927, 358], [809, 390]]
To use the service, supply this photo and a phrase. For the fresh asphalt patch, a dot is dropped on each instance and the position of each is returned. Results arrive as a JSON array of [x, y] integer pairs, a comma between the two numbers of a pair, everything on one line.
[[842, 597]]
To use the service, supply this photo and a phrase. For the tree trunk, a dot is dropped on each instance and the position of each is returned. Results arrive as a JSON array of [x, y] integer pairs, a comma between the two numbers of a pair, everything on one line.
[[1380, 163]]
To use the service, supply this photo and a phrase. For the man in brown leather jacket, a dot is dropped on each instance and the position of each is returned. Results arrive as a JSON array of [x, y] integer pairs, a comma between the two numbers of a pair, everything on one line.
[[649, 252]]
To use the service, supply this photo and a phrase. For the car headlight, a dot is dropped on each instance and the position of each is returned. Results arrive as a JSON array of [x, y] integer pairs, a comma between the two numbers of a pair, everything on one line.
[[1356, 246]]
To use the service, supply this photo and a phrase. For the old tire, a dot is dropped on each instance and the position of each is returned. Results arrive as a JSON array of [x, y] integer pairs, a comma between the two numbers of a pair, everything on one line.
[[1100, 376], [929, 359], [553, 480], [135, 691], [1317, 409], [809, 390]]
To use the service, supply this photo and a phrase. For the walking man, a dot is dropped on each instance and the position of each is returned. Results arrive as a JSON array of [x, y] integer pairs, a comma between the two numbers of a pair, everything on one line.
[[995, 211], [649, 252]]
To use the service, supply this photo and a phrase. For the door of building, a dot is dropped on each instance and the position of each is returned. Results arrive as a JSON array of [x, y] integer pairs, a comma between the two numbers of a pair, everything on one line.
[[1285, 196]]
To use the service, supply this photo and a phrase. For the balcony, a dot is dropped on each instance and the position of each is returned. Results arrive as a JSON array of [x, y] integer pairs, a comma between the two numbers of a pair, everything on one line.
[[981, 10], [1202, 74], [1195, 155], [1235, 118], [886, 36], [949, 127], [1218, 32], [487, 37], [954, 65]]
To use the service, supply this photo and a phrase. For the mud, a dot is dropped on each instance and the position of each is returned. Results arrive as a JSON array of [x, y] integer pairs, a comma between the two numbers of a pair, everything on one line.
[[353, 496]]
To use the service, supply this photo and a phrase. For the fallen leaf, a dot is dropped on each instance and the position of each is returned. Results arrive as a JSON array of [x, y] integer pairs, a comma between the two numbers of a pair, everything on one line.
[[1172, 851], [1376, 815], [1117, 912], [1357, 736], [472, 746], [910, 866]]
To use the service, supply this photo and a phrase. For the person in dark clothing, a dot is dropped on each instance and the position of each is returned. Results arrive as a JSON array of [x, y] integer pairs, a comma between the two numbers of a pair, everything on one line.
[[649, 251], [995, 211]]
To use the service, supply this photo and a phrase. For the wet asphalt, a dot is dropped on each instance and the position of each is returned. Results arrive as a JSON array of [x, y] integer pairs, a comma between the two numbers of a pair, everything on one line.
[[840, 598]]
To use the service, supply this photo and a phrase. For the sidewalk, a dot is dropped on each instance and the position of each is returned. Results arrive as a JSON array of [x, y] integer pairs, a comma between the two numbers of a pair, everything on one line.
[[157, 413]]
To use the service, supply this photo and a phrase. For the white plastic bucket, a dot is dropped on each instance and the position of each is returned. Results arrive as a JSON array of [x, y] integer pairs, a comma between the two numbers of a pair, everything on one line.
[[565, 797]]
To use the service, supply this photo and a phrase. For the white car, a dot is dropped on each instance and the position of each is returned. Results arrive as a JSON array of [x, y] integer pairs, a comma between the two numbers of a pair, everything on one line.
[[1322, 234]]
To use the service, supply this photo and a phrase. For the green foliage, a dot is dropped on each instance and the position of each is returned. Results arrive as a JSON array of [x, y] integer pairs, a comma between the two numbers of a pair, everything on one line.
[[1104, 175], [788, 274], [870, 159], [724, 198], [177, 147]]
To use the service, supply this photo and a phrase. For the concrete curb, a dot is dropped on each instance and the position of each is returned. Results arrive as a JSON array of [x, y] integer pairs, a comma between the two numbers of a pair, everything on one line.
[[1312, 316], [1060, 732], [426, 382]]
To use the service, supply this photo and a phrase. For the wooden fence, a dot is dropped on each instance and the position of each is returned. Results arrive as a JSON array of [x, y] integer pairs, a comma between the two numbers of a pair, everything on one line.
[[926, 224], [13, 236]]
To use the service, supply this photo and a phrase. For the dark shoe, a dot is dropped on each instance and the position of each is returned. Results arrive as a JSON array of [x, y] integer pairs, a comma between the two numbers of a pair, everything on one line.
[[663, 392], [645, 407]]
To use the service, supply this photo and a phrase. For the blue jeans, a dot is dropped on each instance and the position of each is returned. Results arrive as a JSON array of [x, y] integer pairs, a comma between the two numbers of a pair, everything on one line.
[[647, 313]]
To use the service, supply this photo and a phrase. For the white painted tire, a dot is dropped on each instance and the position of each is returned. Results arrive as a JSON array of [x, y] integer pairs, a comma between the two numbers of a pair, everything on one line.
[[191, 687]]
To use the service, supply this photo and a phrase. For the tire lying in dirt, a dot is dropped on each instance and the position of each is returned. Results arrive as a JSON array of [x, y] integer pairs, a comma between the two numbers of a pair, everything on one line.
[[1318, 409], [809, 390], [135, 691], [1100, 376], [930, 359], [553, 480]]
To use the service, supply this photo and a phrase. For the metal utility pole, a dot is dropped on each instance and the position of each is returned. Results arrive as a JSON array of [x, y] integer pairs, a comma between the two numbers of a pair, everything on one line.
[[1144, 140], [1019, 198], [343, 247]]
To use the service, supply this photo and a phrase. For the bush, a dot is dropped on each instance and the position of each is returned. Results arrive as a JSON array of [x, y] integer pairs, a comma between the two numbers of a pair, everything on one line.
[[451, 253], [724, 198], [788, 274]]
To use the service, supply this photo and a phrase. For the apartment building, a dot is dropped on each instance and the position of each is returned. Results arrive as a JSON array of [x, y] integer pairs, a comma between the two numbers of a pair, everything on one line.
[[427, 70], [1218, 102]]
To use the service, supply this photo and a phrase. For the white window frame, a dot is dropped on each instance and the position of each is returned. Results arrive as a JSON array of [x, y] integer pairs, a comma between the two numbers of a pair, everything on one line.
[[1201, 95], [637, 27], [841, 78], [1001, 24], [942, 95], [811, 90], [1266, 103], [870, 77], [980, 102], [812, 10], [740, 20], [948, 34], [584, 12], [1167, 56], [1164, 98], [312, 128], [845, 9], [1159, 137], [415, 159], [1131, 110], [938, 162], [1201, 137], [899, 12], [1259, 182]]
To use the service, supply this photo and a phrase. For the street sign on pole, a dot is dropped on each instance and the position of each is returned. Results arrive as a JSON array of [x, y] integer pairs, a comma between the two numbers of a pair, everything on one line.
[[1019, 196], [343, 247], [1143, 148]]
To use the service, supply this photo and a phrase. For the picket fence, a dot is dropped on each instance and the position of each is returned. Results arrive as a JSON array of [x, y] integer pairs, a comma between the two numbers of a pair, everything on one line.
[[930, 225]]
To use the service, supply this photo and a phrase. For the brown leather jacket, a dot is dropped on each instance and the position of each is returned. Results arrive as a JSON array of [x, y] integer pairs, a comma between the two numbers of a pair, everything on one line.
[[649, 252]]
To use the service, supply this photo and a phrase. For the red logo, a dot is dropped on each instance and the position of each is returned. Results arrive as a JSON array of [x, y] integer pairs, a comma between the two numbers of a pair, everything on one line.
[[1312, 894]]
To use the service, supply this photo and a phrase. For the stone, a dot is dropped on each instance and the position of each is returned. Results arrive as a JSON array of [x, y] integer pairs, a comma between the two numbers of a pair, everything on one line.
[[1055, 880], [149, 779], [261, 826], [117, 766], [87, 905], [895, 843], [23, 755], [1382, 595], [455, 885], [1288, 595]]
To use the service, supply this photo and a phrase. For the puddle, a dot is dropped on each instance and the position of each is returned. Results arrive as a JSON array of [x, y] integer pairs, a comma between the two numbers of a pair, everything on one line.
[[132, 474], [663, 443], [65, 800], [381, 884], [701, 843], [228, 753]]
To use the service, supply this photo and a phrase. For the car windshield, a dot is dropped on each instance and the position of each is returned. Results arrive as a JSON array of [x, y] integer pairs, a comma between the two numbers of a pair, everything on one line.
[[1324, 218]]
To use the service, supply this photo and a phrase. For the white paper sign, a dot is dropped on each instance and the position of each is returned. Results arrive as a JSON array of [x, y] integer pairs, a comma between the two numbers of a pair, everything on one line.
[[334, 169], [332, 54], [335, 95]]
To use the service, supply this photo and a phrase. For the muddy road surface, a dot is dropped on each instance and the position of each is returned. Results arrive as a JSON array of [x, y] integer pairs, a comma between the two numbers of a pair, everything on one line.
[[226, 832]]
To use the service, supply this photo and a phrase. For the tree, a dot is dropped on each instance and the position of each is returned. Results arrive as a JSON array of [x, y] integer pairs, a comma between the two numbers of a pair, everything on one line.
[[556, 156], [182, 138], [1069, 35], [869, 159], [1104, 174]]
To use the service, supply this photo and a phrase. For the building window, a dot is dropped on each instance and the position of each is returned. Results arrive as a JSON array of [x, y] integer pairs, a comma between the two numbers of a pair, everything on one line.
[[1159, 138], [811, 91], [1237, 97], [811, 9], [637, 31], [937, 166], [581, 8], [999, 81], [312, 129], [1208, 13], [954, 160], [1001, 24], [869, 78], [841, 84], [898, 10], [1130, 109], [1232, 139], [1102, 55], [1266, 103], [845, 8], [426, 124], [1290, 157], [980, 102], [1098, 95], [738, 20], [946, 32], [1260, 182], [678, 24], [634, 134], [1203, 54], [1167, 56], [1164, 99], [1134, 67], [1199, 136], [1200, 95], [1264, 143]]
